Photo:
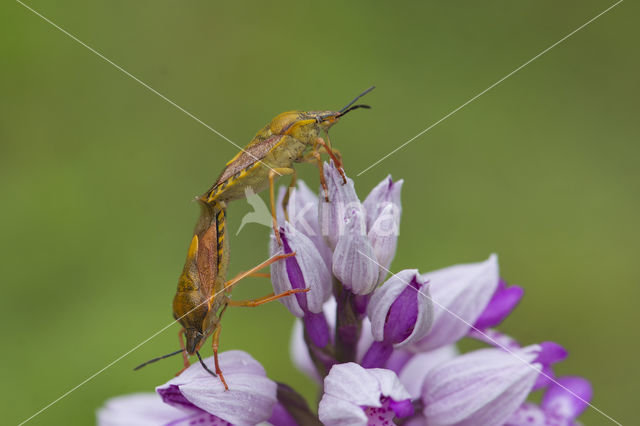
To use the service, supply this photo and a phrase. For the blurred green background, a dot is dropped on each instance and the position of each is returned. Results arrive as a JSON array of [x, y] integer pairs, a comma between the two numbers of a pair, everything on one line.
[[97, 173]]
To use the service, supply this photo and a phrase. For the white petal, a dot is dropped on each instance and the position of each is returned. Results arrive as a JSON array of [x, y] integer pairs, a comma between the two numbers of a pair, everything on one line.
[[143, 409], [481, 388], [416, 369], [248, 387], [314, 270], [334, 411], [389, 384], [460, 293], [351, 382], [354, 262]]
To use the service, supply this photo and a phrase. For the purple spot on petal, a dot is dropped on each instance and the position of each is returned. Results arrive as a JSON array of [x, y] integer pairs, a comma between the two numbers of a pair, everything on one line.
[[173, 396], [294, 273], [402, 408]]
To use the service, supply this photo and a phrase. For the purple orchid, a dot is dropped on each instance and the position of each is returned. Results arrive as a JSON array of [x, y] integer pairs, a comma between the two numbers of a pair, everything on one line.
[[401, 312], [382, 351], [357, 396]]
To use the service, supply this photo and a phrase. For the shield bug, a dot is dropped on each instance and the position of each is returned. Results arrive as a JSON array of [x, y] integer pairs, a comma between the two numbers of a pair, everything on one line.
[[291, 137], [203, 293]]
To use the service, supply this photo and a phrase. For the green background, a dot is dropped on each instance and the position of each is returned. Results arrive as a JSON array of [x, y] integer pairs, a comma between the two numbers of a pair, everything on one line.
[[97, 173]]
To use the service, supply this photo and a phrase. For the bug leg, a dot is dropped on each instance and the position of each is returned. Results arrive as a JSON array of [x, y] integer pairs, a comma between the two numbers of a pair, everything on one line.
[[185, 357], [285, 200], [255, 269], [331, 154], [215, 344], [280, 171], [323, 182], [260, 275], [266, 299]]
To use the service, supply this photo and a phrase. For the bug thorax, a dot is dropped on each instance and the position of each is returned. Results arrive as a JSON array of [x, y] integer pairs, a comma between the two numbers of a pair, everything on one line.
[[303, 126]]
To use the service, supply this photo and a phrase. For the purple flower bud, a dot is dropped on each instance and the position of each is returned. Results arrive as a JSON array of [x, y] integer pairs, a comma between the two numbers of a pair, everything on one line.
[[504, 300], [248, 387], [342, 200], [383, 210], [401, 312], [460, 294], [482, 388], [304, 270], [354, 262], [357, 396], [303, 215], [385, 193]]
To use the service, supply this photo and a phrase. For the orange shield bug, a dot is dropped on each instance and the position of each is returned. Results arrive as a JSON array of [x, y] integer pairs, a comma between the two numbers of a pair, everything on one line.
[[203, 294], [291, 137]]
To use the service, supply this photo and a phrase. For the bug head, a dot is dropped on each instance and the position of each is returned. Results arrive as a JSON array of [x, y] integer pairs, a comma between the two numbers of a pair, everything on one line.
[[307, 126], [194, 337]]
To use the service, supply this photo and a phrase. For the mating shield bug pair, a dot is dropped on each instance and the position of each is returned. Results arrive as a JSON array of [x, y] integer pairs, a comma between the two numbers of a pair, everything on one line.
[[203, 292]]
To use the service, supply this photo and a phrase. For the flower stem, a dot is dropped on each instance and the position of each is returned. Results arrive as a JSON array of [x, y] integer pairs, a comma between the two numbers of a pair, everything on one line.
[[348, 324]]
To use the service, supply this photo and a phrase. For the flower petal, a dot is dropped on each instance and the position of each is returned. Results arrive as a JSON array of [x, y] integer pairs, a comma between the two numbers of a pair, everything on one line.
[[504, 300], [342, 199], [383, 211], [416, 369], [354, 262], [351, 382], [460, 294], [389, 384], [358, 396], [567, 397], [248, 387], [303, 215], [144, 409], [334, 411], [401, 310], [481, 388], [306, 269]]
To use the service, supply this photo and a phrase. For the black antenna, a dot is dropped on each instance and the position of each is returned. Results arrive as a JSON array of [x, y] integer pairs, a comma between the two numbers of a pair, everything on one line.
[[344, 110], [204, 366], [354, 107], [157, 359]]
